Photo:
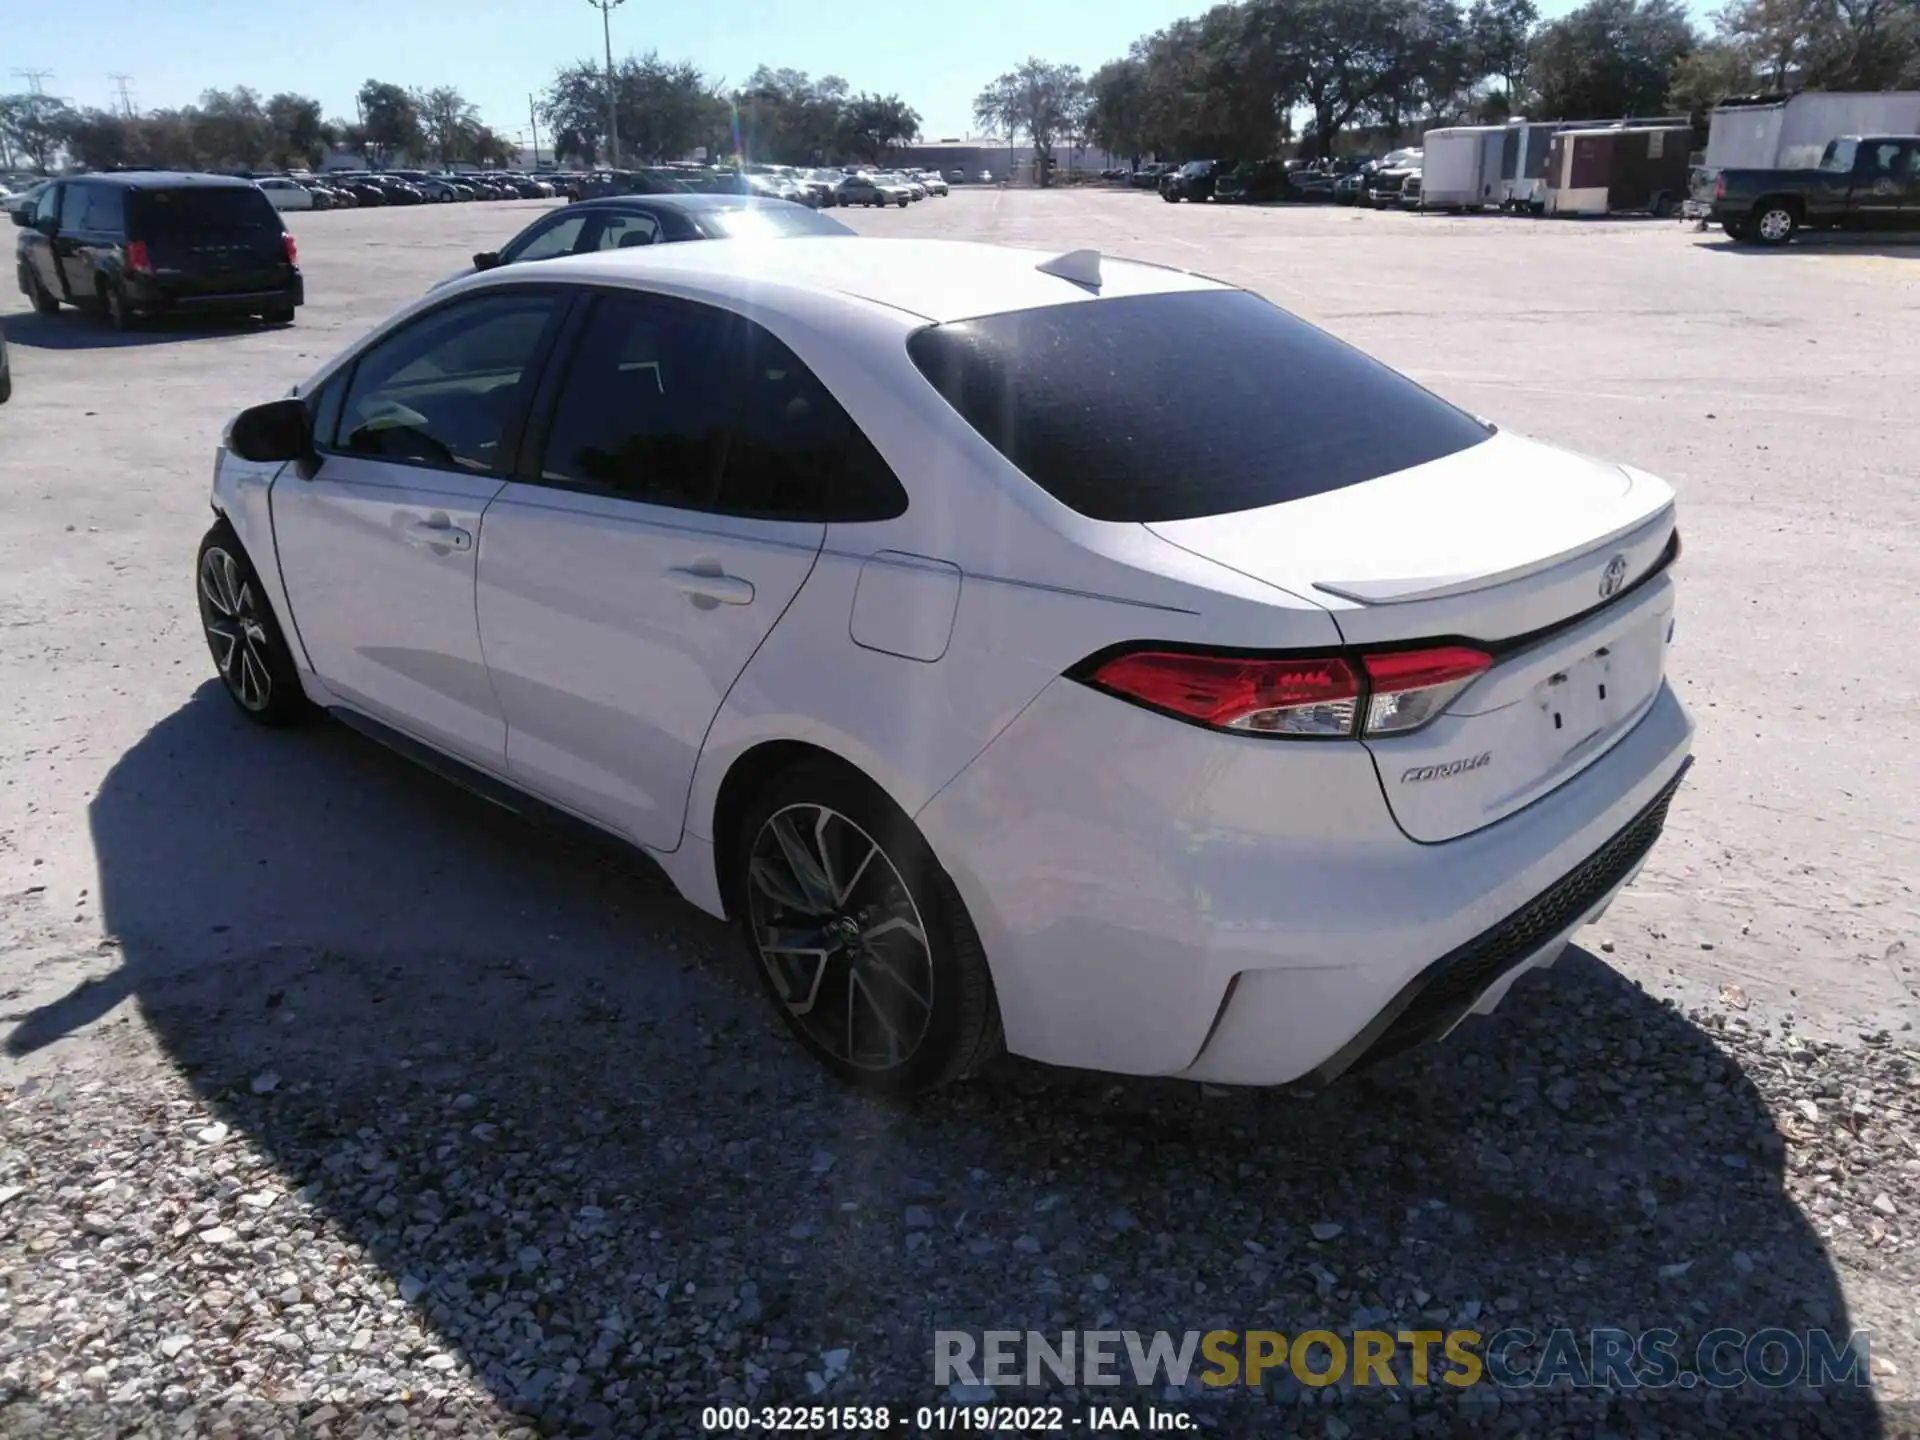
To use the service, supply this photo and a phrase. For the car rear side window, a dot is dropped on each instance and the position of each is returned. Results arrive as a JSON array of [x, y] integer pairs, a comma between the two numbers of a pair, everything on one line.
[[1171, 406], [689, 406]]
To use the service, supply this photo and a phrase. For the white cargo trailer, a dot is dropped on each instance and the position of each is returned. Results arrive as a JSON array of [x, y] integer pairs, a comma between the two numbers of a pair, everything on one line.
[[1790, 132], [1463, 167]]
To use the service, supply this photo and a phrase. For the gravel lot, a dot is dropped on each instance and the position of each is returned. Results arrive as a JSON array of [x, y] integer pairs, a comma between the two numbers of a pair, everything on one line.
[[335, 1101]]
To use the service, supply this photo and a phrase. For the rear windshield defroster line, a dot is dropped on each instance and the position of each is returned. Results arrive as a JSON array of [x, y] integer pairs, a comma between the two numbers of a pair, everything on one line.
[[1167, 407]]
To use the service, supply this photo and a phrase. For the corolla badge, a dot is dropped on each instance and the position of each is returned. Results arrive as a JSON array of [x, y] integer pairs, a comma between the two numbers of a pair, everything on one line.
[[1420, 774], [1613, 577]]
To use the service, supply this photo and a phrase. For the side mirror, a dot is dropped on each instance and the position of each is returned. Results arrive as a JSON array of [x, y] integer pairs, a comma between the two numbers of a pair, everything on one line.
[[279, 430], [486, 260], [21, 216]]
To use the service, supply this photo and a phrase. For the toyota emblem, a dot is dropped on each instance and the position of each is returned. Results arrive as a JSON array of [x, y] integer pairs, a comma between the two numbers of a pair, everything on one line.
[[1613, 577]]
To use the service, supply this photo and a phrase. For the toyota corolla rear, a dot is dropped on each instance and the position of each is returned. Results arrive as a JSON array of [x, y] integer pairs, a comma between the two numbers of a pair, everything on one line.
[[1401, 728]]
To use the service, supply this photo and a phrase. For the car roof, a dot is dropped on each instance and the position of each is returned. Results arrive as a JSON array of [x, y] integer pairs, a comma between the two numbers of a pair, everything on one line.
[[680, 200], [936, 280], [166, 180]]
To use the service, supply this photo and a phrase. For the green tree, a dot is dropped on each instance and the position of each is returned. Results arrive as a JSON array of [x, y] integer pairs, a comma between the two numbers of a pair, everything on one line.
[[1610, 58], [296, 133], [391, 121], [1498, 34], [1117, 113], [787, 117], [1040, 100], [664, 110], [449, 123], [1712, 73], [31, 128], [871, 124], [232, 128]]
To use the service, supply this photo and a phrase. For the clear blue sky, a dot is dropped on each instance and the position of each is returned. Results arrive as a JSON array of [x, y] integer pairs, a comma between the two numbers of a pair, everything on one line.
[[937, 57]]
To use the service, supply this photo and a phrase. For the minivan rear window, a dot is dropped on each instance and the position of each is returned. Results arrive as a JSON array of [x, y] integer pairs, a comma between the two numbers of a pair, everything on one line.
[[1172, 406], [199, 210]]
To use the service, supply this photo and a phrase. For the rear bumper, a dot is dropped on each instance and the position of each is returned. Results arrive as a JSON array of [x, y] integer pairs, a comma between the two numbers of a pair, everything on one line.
[[1158, 899], [159, 297]]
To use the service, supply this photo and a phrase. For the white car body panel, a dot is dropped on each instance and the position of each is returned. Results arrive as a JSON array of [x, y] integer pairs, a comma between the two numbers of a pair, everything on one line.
[[608, 656], [1153, 896], [384, 612]]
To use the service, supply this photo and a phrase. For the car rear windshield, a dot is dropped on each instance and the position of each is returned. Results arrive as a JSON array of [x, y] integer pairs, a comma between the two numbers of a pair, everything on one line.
[[1172, 406], [201, 211], [750, 221]]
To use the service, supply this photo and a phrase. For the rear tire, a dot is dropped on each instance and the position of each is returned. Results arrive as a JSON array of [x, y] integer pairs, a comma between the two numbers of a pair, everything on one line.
[[44, 300], [282, 316], [1773, 222], [256, 667], [897, 998], [119, 313]]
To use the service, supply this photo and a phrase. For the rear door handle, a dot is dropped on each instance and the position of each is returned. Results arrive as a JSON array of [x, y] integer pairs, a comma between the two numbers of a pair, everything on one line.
[[714, 586], [439, 536]]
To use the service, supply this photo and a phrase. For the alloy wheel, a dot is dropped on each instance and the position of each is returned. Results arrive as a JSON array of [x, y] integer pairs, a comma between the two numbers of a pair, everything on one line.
[[1776, 225], [839, 937], [231, 613]]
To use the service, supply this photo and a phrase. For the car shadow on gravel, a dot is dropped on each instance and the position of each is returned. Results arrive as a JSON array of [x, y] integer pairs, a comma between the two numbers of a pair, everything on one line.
[[549, 1103], [88, 330]]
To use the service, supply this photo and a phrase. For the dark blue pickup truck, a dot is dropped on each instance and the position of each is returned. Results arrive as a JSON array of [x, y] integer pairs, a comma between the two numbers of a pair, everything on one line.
[[1863, 182]]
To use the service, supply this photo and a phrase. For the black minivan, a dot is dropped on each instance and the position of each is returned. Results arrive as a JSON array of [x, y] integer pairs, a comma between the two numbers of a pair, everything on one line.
[[155, 242]]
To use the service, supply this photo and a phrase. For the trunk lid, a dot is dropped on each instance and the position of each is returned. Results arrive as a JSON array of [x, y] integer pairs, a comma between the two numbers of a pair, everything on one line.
[[1542, 557]]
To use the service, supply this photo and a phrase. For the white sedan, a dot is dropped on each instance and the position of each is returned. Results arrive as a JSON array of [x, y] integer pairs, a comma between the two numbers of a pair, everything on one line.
[[287, 194], [1134, 716]]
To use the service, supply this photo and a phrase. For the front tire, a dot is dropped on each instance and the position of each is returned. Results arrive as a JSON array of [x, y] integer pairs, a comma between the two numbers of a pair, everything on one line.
[[44, 300], [256, 667], [859, 936]]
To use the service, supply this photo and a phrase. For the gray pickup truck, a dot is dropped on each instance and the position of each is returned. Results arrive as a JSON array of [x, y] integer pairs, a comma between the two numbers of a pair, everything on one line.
[[1863, 182]]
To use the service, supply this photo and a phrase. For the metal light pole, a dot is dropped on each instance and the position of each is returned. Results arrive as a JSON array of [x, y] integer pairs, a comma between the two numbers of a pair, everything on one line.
[[606, 9]]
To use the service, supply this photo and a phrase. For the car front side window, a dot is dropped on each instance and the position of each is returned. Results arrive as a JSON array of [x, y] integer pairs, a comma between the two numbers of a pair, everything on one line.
[[558, 238], [444, 390]]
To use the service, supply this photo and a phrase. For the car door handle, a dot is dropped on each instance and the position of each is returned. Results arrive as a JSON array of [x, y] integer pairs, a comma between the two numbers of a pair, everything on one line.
[[439, 536], [714, 585]]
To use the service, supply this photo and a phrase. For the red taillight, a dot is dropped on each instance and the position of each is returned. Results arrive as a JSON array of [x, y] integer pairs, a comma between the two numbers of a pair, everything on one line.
[[1270, 697], [1408, 688], [1720, 188], [293, 250], [1390, 693], [138, 260]]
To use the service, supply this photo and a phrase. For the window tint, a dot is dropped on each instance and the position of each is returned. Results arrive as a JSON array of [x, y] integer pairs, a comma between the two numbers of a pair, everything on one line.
[[620, 232], [48, 205], [694, 407], [648, 405], [559, 238], [208, 210], [73, 207], [442, 390], [1165, 407], [1839, 156]]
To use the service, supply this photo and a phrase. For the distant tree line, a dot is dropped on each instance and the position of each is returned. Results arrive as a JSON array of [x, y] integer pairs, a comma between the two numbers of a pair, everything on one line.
[[669, 109], [1238, 80], [238, 130]]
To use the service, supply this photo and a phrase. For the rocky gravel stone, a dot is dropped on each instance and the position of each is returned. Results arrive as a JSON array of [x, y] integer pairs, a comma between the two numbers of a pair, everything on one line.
[[597, 1231]]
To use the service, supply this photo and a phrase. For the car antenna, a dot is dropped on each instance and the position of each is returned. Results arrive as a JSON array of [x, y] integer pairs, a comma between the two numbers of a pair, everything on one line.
[[1082, 267]]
